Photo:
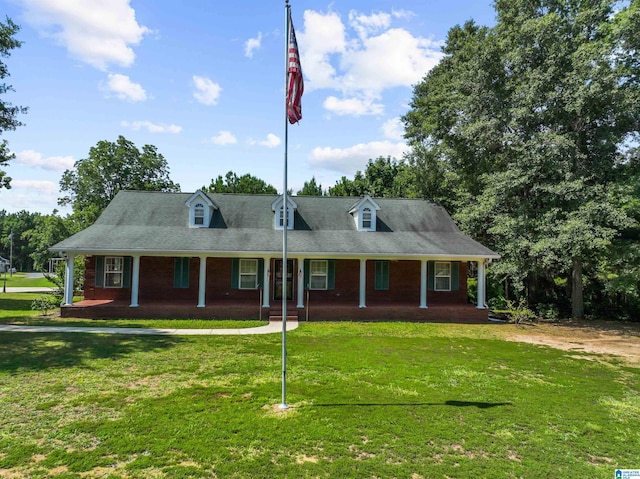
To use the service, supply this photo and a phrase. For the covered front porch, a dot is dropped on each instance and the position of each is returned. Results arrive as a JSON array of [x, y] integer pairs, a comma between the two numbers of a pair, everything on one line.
[[357, 289]]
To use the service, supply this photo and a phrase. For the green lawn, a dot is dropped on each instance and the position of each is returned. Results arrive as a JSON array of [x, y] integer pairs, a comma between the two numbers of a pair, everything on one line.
[[376, 400], [15, 308], [20, 280]]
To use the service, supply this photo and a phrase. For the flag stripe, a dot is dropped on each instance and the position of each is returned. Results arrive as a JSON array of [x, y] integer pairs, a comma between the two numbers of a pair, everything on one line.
[[295, 84]]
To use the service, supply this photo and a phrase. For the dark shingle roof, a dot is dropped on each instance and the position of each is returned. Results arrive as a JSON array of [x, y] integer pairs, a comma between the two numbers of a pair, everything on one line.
[[152, 222]]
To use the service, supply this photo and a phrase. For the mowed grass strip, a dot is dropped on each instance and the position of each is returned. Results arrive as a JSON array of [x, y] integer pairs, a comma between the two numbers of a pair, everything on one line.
[[367, 400], [15, 308]]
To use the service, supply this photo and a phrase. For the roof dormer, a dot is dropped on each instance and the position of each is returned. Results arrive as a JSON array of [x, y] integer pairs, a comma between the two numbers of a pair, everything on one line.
[[364, 214], [278, 217], [200, 210]]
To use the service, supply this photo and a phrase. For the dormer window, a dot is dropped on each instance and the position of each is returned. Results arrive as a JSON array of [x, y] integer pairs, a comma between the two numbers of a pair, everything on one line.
[[200, 210], [278, 209], [364, 214], [366, 218], [198, 214]]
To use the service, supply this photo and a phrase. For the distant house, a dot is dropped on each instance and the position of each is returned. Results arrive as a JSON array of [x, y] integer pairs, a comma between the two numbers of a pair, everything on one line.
[[199, 255]]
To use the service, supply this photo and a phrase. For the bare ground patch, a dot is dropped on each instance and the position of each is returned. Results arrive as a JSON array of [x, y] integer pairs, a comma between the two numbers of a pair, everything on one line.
[[608, 338]]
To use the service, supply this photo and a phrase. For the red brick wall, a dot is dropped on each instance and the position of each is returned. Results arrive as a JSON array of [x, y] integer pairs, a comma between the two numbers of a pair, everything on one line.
[[156, 283]]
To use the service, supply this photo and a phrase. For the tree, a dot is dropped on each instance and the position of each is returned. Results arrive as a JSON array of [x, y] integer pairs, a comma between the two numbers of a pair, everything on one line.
[[16, 224], [311, 188], [233, 183], [47, 231], [109, 168], [526, 119], [8, 112], [383, 177]]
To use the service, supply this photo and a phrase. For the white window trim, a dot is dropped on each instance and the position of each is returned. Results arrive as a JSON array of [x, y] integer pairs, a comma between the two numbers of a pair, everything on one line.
[[199, 208], [367, 210], [114, 273], [278, 218], [325, 274], [241, 274], [200, 200], [436, 276]]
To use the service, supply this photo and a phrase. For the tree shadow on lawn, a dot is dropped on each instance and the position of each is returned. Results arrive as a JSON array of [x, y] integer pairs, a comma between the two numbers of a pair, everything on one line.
[[39, 352], [479, 405]]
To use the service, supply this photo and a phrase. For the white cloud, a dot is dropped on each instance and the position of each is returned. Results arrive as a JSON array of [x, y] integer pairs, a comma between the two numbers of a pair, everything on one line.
[[252, 44], [362, 58], [323, 36], [39, 186], [52, 163], [124, 88], [353, 106], [98, 33], [349, 160], [270, 142], [207, 92], [224, 138], [366, 25], [152, 127], [393, 129]]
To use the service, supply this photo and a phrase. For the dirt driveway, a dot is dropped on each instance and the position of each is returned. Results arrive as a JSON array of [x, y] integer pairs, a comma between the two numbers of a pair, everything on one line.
[[599, 337]]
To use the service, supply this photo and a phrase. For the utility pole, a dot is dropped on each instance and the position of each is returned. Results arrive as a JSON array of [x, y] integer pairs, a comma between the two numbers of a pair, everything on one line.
[[10, 256]]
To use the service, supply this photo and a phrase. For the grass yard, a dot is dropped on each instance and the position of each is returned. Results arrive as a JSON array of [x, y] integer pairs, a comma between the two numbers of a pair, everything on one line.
[[20, 280], [376, 400], [15, 308]]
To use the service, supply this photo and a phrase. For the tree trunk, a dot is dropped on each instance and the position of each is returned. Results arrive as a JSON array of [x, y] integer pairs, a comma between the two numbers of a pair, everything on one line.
[[577, 298]]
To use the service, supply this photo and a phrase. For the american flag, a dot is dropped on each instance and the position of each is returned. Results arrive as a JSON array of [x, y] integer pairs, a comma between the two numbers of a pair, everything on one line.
[[295, 84]]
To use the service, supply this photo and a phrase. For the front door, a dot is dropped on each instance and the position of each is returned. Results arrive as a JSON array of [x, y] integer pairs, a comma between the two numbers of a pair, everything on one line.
[[277, 286]]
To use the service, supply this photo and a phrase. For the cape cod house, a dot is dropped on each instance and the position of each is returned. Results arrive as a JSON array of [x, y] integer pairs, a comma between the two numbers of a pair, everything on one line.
[[203, 255]]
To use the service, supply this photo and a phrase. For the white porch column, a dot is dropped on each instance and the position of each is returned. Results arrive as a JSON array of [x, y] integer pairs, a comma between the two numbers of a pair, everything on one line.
[[202, 282], [68, 281], [301, 284], [423, 283], [135, 281], [481, 285], [363, 283], [265, 281]]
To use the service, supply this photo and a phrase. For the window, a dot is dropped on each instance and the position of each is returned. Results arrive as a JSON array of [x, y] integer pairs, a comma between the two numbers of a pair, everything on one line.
[[248, 273], [442, 276], [318, 274], [113, 269], [382, 275], [366, 218], [198, 214]]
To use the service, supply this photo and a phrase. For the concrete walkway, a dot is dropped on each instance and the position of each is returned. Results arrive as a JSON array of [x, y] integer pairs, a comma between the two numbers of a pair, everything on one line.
[[272, 327], [27, 289]]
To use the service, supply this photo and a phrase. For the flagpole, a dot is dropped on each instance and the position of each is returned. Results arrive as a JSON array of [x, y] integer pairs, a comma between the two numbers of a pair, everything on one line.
[[283, 404]]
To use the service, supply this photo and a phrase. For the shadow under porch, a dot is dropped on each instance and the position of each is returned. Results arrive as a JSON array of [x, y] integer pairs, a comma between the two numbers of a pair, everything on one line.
[[235, 309]]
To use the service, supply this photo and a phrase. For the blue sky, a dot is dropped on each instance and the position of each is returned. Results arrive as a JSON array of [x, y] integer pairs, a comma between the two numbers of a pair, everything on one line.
[[203, 81]]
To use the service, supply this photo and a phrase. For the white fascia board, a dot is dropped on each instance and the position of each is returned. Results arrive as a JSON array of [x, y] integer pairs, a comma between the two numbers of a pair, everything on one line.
[[200, 195], [277, 253]]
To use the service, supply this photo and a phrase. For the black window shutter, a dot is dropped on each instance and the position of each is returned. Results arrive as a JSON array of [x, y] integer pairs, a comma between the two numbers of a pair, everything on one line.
[[235, 273], [455, 276], [99, 280], [331, 280]]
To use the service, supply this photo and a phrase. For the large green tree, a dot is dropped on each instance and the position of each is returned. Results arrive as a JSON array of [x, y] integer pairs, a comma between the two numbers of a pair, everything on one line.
[[109, 168], [383, 177], [232, 183], [8, 112], [311, 188], [13, 242], [523, 123]]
